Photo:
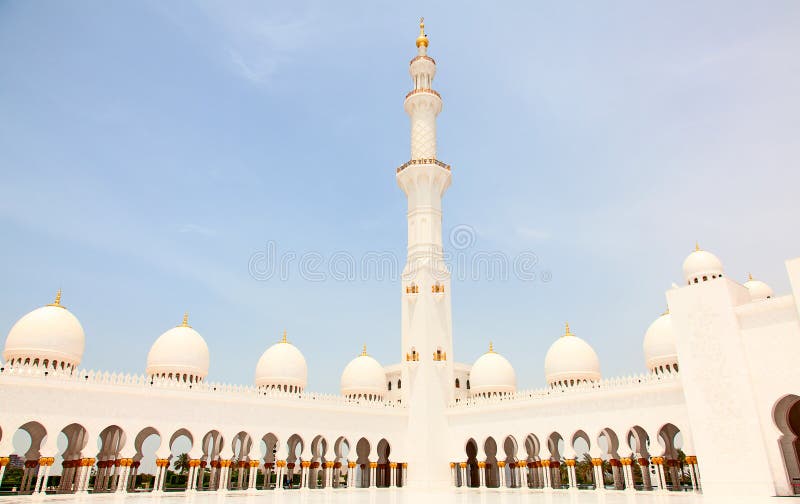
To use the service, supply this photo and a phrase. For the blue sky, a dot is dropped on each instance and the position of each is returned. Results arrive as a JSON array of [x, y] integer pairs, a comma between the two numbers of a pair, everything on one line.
[[149, 149]]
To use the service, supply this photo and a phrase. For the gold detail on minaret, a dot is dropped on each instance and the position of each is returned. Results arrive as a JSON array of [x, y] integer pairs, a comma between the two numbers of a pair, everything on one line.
[[185, 322], [57, 301], [283, 339], [666, 312], [566, 330], [364, 351], [422, 39]]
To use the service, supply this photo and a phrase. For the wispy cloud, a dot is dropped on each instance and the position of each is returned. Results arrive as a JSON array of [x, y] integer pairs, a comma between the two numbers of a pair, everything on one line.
[[530, 233], [198, 230]]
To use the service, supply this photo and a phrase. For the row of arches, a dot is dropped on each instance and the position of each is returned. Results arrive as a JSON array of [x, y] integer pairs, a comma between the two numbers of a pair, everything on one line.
[[580, 461], [179, 460]]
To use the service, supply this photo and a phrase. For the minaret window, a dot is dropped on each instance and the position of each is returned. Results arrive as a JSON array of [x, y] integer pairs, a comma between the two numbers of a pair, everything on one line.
[[458, 383]]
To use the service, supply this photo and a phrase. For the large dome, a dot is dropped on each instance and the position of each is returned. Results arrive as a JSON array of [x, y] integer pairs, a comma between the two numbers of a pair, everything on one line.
[[758, 289], [701, 266], [660, 354], [570, 361], [282, 367], [180, 353], [364, 377], [49, 336], [492, 374]]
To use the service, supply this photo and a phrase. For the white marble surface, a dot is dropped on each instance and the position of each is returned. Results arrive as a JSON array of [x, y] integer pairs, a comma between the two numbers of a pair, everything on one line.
[[399, 496]]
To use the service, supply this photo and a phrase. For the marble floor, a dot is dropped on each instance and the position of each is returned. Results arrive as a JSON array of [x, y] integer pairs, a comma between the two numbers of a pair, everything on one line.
[[400, 496]]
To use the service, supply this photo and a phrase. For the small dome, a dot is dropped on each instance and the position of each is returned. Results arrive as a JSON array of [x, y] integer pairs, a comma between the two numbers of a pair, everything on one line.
[[180, 353], [758, 289], [49, 336], [701, 266], [570, 360], [283, 367], [364, 377], [659, 345], [492, 374]]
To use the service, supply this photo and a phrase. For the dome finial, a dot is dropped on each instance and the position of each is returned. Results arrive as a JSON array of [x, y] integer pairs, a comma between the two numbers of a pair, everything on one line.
[[566, 330], [364, 350], [422, 40], [666, 312], [491, 347], [57, 302], [283, 339], [696, 246], [750, 277], [185, 322]]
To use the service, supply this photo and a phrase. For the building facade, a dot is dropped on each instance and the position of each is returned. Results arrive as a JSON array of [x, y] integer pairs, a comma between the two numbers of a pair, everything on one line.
[[722, 388]]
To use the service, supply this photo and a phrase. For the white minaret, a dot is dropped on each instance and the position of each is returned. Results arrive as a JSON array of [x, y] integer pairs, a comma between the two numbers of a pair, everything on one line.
[[427, 342]]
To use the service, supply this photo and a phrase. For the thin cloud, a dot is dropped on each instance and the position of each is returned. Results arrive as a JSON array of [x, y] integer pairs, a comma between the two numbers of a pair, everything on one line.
[[198, 230]]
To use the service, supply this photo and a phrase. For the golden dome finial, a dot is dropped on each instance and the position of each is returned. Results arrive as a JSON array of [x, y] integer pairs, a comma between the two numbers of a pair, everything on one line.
[[283, 339], [57, 302], [696, 246], [185, 322], [491, 347], [666, 312], [566, 330], [422, 39], [750, 277], [364, 350]]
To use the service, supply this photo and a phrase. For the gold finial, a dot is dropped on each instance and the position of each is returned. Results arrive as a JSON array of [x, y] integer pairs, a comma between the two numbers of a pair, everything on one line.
[[696, 246], [422, 39], [666, 312], [364, 350], [566, 330], [57, 302], [491, 347], [283, 339], [185, 322], [750, 277]]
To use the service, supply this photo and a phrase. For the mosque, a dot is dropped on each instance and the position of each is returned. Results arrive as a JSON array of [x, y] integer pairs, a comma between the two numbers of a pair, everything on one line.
[[718, 412]]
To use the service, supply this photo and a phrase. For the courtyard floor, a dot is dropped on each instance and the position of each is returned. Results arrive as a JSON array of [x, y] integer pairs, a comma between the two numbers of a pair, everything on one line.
[[399, 496]]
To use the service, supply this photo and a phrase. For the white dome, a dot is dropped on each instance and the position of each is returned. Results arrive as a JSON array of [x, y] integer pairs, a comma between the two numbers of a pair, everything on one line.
[[758, 289], [659, 345], [282, 366], [50, 333], [179, 353], [364, 376], [492, 374], [701, 266], [570, 360]]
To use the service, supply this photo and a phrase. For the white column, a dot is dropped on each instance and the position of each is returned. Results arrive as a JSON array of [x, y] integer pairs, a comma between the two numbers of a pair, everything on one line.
[[501, 471], [2, 473], [546, 474], [278, 477]]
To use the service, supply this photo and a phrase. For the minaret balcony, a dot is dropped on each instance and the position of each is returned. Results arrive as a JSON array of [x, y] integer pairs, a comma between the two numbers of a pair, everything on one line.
[[423, 90], [412, 162]]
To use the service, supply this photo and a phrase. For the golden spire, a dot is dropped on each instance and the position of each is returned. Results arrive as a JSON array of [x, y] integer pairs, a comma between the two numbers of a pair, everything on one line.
[[566, 330], [185, 322], [422, 39], [491, 347], [666, 312], [283, 339], [696, 246], [364, 350], [57, 302], [750, 277]]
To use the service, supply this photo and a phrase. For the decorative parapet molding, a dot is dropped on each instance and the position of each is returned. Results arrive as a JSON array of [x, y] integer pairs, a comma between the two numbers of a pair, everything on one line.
[[85, 377], [555, 391]]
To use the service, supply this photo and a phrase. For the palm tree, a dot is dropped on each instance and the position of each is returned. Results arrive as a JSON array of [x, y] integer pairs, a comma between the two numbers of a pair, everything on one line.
[[181, 463]]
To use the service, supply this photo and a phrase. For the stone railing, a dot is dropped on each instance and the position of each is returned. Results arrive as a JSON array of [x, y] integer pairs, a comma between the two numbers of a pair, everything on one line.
[[144, 382], [423, 90], [422, 162], [428, 58], [606, 385]]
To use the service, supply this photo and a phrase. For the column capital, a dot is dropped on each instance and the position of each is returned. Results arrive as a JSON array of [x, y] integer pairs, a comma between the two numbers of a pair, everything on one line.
[[597, 462], [463, 465], [570, 462], [481, 464], [373, 465], [4, 461]]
